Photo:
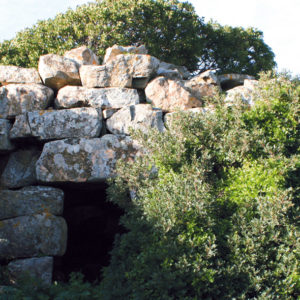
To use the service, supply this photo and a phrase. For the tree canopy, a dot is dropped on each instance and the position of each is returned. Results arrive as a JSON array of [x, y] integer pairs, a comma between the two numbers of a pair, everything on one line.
[[171, 30]]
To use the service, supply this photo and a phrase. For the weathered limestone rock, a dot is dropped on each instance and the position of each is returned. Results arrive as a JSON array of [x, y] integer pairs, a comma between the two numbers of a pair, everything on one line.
[[140, 116], [170, 95], [20, 169], [37, 267], [58, 71], [21, 128], [30, 236], [13, 74], [31, 200], [203, 85], [172, 71], [229, 81], [71, 96], [5, 143], [59, 124], [132, 71], [251, 84], [16, 99], [240, 92], [83, 160], [115, 50], [82, 56]]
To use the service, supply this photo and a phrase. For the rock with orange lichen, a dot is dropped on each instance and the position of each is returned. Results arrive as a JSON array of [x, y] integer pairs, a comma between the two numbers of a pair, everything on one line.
[[32, 236], [16, 99], [59, 124], [83, 160], [31, 200], [57, 71], [13, 74], [82, 56], [170, 95], [131, 71]]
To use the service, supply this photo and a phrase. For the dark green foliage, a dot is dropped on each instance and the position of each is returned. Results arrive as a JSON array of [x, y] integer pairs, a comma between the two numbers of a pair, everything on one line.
[[214, 215], [170, 29]]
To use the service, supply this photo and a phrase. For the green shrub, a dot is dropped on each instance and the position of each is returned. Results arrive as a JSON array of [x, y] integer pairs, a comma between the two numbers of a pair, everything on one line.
[[213, 216]]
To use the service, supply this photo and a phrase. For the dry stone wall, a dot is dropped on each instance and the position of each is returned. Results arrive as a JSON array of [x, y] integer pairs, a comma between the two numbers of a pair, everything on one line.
[[69, 122]]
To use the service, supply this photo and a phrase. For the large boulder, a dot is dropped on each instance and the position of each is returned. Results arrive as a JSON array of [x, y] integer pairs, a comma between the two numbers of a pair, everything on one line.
[[140, 116], [16, 99], [203, 85], [59, 124], [75, 96], [20, 169], [58, 71], [131, 71], [40, 268], [31, 236], [115, 50], [82, 56], [13, 74], [5, 143], [83, 160], [31, 200], [170, 95]]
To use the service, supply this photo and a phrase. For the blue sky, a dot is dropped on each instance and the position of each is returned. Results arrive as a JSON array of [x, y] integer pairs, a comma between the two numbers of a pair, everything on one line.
[[279, 20]]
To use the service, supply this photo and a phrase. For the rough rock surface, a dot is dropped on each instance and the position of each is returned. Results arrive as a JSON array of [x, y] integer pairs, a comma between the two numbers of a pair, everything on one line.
[[229, 81], [37, 267], [20, 169], [59, 124], [31, 236], [58, 71], [172, 71], [13, 74], [5, 143], [115, 50], [82, 56], [132, 71], [243, 93], [71, 96], [83, 160], [140, 116], [16, 99], [31, 200], [107, 113], [170, 95]]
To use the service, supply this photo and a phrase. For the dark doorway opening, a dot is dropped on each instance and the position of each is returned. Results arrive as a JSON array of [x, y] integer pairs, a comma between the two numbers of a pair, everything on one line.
[[92, 225]]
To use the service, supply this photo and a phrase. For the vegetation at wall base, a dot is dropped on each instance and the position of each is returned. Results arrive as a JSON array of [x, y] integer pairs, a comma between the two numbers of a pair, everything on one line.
[[171, 31]]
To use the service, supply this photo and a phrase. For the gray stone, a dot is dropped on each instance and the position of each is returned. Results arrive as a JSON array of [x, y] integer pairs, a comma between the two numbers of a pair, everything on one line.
[[21, 128], [37, 267], [203, 85], [115, 50], [31, 236], [246, 95], [83, 160], [131, 71], [60, 124], [13, 74], [31, 200], [170, 95], [71, 96], [5, 143], [16, 99], [140, 116], [58, 71], [172, 71], [82, 56], [20, 169]]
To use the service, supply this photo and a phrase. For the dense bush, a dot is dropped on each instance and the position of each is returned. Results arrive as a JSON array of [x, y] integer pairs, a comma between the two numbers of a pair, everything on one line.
[[214, 211], [170, 29]]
